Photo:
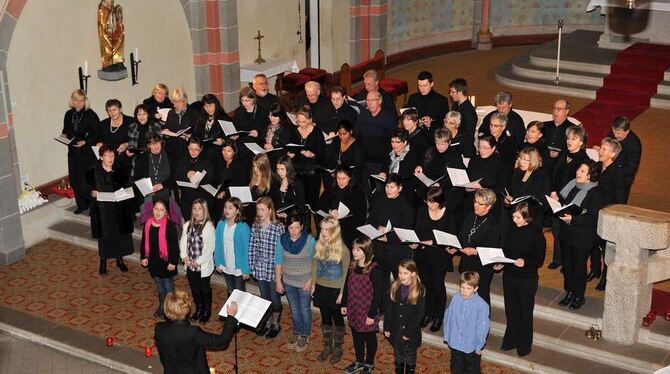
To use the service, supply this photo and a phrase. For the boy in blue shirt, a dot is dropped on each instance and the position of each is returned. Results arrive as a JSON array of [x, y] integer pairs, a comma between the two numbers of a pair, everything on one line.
[[466, 324]]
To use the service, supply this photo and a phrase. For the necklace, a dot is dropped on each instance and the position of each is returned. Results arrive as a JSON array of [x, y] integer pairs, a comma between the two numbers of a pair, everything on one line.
[[475, 227], [155, 166], [112, 127]]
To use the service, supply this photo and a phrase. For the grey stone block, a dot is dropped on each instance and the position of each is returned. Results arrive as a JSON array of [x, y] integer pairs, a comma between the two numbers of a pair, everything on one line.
[[227, 13], [7, 25], [202, 78], [11, 239], [8, 196], [199, 40], [229, 39]]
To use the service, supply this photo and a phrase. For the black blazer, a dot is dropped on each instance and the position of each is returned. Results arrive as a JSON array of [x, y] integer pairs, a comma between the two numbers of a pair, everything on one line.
[[612, 186], [181, 347], [403, 319]]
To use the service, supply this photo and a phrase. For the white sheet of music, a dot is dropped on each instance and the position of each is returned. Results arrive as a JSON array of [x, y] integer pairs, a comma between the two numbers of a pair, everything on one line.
[[180, 132], [378, 177], [64, 140], [406, 236], [402, 110], [210, 189], [372, 232], [490, 255], [250, 308], [427, 181], [445, 238], [257, 149], [229, 128], [593, 154], [145, 186], [96, 150], [243, 193], [119, 195], [459, 178], [164, 113], [292, 117]]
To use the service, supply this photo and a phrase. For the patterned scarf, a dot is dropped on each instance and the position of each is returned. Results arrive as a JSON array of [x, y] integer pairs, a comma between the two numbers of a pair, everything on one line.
[[194, 239], [397, 159]]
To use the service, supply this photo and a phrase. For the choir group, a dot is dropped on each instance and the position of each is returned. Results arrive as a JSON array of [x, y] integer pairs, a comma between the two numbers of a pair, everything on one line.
[[285, 198]]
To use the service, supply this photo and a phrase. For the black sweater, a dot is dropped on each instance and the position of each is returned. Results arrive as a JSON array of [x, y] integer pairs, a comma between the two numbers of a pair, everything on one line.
[[526, 242], [582, 230], [487, 234]]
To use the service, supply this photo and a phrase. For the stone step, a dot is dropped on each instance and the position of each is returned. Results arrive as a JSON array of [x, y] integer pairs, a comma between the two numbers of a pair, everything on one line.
[[559, 342], [525, 68]]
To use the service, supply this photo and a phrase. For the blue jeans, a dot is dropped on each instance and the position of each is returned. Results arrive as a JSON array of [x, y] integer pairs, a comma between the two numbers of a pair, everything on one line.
[[300, 302], [164, 285], [269, 292], [234, 283]]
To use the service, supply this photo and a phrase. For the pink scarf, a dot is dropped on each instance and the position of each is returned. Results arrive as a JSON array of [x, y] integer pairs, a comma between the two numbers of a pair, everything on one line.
[[162, 238]]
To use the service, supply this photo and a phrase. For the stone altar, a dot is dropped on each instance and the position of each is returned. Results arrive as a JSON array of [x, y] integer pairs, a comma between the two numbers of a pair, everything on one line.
[[647, 22]]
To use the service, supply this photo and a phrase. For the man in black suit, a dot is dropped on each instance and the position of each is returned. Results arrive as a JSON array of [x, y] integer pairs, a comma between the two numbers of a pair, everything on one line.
[[431, 106], [181, 346], [263, 96], [554, 131], [458, 90], [631, 150]]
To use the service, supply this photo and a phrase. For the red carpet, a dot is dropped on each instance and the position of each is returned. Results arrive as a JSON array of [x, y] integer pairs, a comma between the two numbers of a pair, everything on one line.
[[627, 90], [660, 302]]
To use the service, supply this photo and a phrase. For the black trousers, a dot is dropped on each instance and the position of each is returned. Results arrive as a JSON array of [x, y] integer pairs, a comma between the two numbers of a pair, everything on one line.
[[557, 256], [77, 164], [594, 254], [388, 257], [433, 263], [574, 268], [363, 340], [519, 305], [465, 363], [200, 287], [312, 182]]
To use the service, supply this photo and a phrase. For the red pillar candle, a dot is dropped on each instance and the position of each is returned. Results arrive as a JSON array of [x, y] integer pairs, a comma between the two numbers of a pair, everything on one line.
[[109, 341], [651, 315], [148, 352], [646, 322], [667, 315]]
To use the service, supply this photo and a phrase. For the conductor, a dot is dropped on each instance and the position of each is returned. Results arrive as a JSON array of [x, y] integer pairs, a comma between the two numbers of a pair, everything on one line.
[[181, 346]]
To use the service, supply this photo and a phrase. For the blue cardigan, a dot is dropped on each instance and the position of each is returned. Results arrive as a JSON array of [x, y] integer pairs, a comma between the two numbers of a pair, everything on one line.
[[241, 243]]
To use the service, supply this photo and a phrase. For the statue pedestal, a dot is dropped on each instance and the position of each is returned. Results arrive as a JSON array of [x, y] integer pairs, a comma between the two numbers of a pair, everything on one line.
[[113, 75], [637, 256]]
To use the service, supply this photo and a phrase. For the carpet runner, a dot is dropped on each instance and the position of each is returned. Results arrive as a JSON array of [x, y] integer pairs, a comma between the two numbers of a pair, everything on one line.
[[627, 90]]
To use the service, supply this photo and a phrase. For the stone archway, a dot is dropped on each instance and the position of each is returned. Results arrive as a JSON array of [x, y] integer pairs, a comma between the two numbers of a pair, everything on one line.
[[213, 28]]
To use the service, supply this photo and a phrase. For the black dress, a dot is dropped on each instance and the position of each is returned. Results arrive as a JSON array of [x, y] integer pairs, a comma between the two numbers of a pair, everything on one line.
[[114, 137], [209, 130], [257, 120], [111, 222], [435, 165], [353, 197], [187, 194], [493, 175], [294, 195], [434, 261], [176, 147], [306, 167], [80, 126], [537, 185], [354, 158], [479, 232], [227, 175]]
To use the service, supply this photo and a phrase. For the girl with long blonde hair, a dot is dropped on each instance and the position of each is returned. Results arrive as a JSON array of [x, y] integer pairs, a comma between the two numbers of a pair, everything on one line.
[[403, 313], [329, 273]]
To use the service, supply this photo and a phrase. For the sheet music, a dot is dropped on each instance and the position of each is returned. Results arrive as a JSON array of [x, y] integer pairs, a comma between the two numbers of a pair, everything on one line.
[[96, 150], [466, 161], [593, 154], [459, 178], [285, 208], [257, 149], [328, 138], [243, 193], [292, 118], [145, 186], [492, 255], [445, 238], [402, 110], [119, 195], [522, 198], [197, 177], [372, 232], [210, 189], [378, 177], [250, 308], [164, 113], [342, 210], [64, 140], [180, 132], [427, 181], [406, 236]]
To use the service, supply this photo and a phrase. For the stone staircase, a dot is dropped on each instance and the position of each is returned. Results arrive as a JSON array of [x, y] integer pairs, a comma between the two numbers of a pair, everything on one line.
[[560, 345], [583, 68]]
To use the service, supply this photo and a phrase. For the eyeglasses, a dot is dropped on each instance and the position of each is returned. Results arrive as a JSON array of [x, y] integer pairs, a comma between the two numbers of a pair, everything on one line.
[[496, 126], [372, 100]]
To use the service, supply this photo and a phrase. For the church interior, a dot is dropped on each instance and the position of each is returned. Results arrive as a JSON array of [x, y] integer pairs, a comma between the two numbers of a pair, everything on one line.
[[607, 58]]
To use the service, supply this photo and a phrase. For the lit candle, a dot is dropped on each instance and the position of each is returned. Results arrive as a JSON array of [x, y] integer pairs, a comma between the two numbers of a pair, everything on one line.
[[109, 341], [86, 67], [137, 54]]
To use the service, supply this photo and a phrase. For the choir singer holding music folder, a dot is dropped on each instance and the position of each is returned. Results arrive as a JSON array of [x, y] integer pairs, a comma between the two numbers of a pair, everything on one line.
[[181, 346]]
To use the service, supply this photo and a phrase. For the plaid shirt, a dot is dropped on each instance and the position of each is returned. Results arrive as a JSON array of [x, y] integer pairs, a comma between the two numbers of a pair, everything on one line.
[[262, 248], [194, 246]]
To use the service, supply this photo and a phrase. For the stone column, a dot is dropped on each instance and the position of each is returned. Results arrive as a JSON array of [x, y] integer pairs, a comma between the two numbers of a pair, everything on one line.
[[637, 256], [367, 29], [484, 34]]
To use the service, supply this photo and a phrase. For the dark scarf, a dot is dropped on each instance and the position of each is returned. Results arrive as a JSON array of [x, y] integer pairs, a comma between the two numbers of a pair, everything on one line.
[[293, 247]]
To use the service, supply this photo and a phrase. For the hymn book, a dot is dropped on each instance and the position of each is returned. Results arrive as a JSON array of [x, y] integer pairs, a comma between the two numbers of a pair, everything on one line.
[[145, 186], [342, 212], [407, 236], [561, 210], [427, 181], [529, 198], [459, 178], [164, 113], [372, 232], [211, 189], [119, 195], [445, 238], [243, 193], [64, 140], [250, 308], [194, 181], [593, 154], [229, 129], [489, 255], [257, 149]]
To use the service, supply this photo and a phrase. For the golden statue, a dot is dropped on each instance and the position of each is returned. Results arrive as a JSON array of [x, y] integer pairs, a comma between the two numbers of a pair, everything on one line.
[[111, 34]]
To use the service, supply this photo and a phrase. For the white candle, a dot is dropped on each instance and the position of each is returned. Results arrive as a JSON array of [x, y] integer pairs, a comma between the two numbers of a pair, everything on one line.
[[137, 54], [86, 67]]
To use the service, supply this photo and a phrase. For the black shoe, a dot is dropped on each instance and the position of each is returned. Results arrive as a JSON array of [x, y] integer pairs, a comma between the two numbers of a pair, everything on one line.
[[522, 352], [262, 331], [553, 266], [437, 325], [591, 276], [196, 316], [273, 332], [103, 266], [121, 265], [409, 369], [505, 348], [206, 311], [425, 321], [80, 210], [567, 299], [400, 368], [577, 303], [603, 282]]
